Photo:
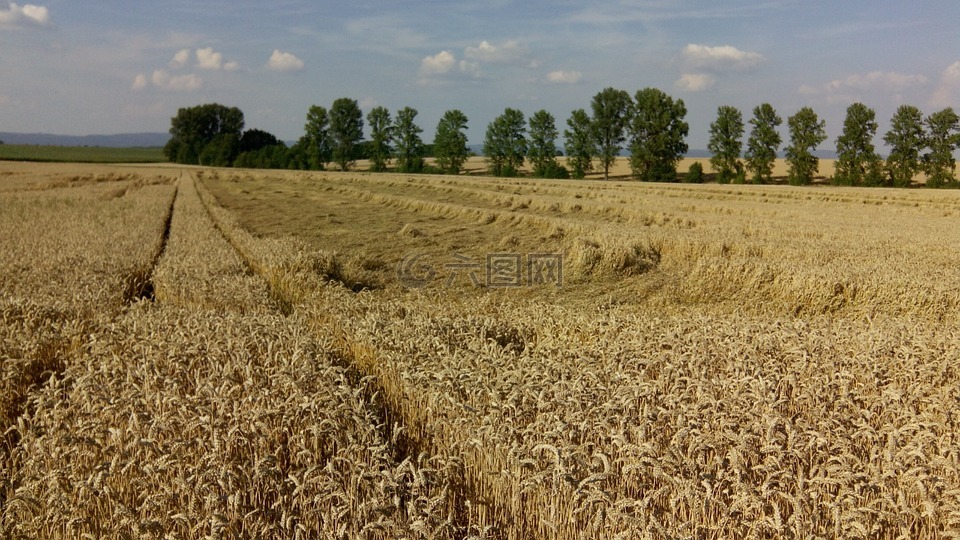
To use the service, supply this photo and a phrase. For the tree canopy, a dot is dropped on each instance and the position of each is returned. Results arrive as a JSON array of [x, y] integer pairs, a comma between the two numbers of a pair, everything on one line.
[[763, 143], [542, 148], [346, 131], [726, 133], [450, 142], [907, 139], [195, 128], [657, 135], [409, 145], [505, 144], [381, 135], [316, 138], [943, 138], [579, 144], [611, 114], [807, 131], [857, 161]]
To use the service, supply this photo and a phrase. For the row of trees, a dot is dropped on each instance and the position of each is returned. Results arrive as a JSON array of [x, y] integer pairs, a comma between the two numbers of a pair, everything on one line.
[[213, 135], [650, 125], [651, 122], [917, 144]]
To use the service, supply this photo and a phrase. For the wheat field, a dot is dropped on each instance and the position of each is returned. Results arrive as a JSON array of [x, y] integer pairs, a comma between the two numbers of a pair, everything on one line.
[[203, 353]]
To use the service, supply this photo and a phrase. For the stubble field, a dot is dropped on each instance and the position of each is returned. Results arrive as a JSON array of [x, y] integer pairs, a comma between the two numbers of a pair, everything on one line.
[[226, 353]]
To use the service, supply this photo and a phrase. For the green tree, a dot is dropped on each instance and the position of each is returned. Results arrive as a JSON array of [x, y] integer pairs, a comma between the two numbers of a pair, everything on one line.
[[316, 139], [542, 149], [381, 135], [260, 149], [221, 151], [450, 142], [907, 139], [694, 173], [275, 156], [725, 142], [943, 138], [611, 114], [255, 139], [579, 144], [806, 132], [346, 131], [193, 128], [763, 143], [857, 161], [506, 144], [409, 145], [657, 135]]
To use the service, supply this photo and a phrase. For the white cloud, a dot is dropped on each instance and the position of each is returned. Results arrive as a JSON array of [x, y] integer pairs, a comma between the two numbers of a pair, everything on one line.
[[180, 59], [139, 82], [438, 64], [564, 77], [885, 80], [695, 82], [178, 83], [945, 93], [16, 15], [852, 87], [722, 57], [284, 62], [510, 51], [209, 59], [4, 99]]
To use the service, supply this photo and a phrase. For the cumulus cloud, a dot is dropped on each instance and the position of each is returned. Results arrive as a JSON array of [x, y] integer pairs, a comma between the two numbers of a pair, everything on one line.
[[446, 65], [945, 93], [139, 82], [438, 64], [720, 58], [695, 82], [28, 14], [180, 59], [510, 51], [284, 62], [209, 59], [564, 77], [177, 83]]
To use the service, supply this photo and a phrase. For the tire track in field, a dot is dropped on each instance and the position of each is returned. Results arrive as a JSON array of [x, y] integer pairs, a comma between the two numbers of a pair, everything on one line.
[[139, 285]]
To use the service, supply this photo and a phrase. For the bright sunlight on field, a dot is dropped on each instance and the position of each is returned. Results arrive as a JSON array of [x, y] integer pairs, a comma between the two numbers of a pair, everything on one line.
[[194, 353]]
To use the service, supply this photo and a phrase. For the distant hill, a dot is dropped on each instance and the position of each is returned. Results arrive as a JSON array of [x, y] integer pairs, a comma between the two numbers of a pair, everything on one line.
[[120, 140]]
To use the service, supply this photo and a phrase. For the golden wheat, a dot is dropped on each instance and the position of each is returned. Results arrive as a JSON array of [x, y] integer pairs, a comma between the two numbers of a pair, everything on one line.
[[708, 372]]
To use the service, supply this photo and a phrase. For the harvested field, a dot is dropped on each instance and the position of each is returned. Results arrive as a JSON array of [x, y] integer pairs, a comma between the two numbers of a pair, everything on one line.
[[337, 355]]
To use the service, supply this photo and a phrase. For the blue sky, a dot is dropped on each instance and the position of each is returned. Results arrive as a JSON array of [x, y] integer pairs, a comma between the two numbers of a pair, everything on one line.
[[72, 67]]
